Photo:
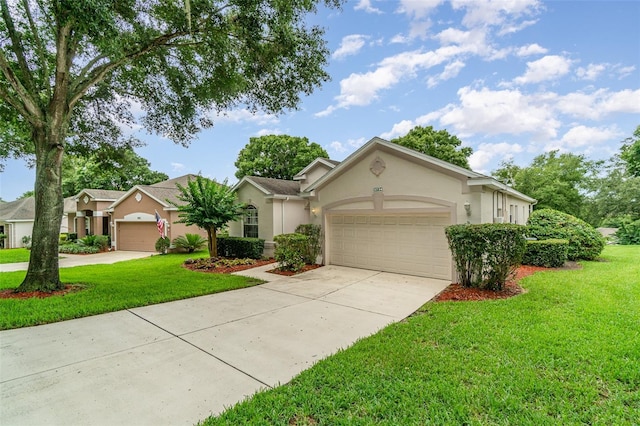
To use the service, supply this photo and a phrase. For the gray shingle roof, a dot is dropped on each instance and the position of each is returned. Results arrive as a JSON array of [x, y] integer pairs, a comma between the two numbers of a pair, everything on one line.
[[103, 194], [25, 208], [277, 186]]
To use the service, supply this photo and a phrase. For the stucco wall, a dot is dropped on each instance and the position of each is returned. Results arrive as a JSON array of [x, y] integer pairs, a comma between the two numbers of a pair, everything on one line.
[[249, 194], [313, 175], [402, 185]]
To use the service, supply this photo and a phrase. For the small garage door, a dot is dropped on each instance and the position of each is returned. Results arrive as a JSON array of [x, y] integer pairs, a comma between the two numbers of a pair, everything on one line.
[[137, 236], [406, 244]]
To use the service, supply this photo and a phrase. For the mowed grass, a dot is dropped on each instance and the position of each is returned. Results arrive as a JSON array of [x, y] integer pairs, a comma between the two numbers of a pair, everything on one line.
[[14, 255], [108, 288], [566, 352]]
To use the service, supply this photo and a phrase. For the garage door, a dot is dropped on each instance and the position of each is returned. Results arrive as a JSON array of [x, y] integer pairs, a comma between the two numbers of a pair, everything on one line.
[[406, 244], [137, 236]]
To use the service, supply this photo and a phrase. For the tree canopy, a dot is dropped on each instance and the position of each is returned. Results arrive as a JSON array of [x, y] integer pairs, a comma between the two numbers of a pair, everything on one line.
[[436, 143], [630, 154], [208, 205], [70, 71], [119, 169], [277, 156]]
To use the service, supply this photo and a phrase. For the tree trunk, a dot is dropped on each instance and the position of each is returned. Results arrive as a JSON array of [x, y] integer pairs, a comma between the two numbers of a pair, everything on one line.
[[212, 243], [43, 273]]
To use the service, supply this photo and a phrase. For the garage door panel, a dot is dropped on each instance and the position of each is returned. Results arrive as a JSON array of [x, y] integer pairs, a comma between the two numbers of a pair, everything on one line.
[[136, 236], [409, 244]]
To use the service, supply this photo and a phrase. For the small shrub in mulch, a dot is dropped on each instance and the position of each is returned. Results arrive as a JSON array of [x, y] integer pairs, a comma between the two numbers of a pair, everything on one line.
[[288, 273], [456, 292], [224, 265]]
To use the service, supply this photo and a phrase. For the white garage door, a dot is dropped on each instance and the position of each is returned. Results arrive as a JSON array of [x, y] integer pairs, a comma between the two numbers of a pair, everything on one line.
[[137, 236], [406, 244]]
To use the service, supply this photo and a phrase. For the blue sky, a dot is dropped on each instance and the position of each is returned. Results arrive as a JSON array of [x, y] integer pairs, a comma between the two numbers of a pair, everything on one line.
[[512, 79]]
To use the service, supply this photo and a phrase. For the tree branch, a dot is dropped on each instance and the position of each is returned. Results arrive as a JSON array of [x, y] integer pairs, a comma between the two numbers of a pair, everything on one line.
[[98, 73], [16, 46], [4, 94], [29, 105], [40, 47]]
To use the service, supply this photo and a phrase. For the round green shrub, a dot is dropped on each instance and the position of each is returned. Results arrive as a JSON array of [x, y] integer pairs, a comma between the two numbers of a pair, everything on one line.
[[550, 253], [585, 242], [162, 245]]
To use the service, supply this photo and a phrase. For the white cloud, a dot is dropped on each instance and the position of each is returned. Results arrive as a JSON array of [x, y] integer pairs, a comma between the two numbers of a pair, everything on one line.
[[356, 143], [580, 136], [349, 145], [337, 147], [598, 104], [367, 7], [418, 9], [515, 27], [624, 71], [591, 72], [265, 132], [496, 13], [398, 129], [531, 49], [177, 167], [486, 152], [350, 45], [403, 127], [399, 39], [450, 71], [362, 89], [550, 67], [244, 115], [500, 112]]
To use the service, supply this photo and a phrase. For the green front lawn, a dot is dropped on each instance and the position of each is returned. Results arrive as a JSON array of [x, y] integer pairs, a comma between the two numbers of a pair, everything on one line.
[[14, 255], [565, 352], [114, 287]]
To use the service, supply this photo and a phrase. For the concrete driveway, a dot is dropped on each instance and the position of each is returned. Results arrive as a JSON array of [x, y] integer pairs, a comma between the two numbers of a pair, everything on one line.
[[70, 260], [179, 362]]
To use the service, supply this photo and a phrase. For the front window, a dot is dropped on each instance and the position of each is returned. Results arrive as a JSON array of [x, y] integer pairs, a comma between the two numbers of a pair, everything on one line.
[[251, 222]]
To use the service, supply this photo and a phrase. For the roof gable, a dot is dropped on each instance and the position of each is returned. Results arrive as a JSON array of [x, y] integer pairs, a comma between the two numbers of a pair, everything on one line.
[[100, 194], [376, 143], [325, 163], [270, 186]]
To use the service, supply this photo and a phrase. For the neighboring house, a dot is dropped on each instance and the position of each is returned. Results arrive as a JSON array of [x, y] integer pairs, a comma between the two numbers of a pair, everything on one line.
[[133, 220], [384, 208], [91, 216], [17, 217]]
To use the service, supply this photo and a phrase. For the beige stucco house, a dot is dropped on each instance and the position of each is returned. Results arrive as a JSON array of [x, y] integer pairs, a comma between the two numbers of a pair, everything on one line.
[[385, 208], [17, 218], [134, 225], [128, 217]]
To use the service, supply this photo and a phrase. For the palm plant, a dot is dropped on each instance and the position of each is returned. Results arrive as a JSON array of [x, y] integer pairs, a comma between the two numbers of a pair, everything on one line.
[[208, 205], [190, 242]]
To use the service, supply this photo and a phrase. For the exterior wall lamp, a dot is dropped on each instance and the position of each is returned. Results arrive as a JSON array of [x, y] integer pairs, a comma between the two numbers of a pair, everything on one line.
[[467, 207]]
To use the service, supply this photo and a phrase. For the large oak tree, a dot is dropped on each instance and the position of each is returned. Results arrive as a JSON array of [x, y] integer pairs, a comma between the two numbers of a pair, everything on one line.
[[70, 69], [277, 156], [436, 143]]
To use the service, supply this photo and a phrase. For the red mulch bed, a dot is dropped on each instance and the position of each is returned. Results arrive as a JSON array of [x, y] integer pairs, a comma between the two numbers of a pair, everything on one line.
[[305, 268], [455, 292], [229, 269], [11, 294]]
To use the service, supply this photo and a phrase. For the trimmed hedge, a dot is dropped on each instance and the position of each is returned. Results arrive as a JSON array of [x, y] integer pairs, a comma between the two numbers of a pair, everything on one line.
[[290, 251], [74, 248], [240, 247], [585, 242], [486, 255], [314, 235], [550, 253]]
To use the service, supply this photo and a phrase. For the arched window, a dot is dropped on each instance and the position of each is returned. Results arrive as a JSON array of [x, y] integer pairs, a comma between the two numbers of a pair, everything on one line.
[[251, 222]]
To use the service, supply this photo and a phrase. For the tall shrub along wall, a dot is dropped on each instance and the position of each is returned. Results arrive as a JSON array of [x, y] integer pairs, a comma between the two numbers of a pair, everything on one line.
[[486, 255]]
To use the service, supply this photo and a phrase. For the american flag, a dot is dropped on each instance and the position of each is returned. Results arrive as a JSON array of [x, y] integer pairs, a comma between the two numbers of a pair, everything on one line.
[[160, 224]]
